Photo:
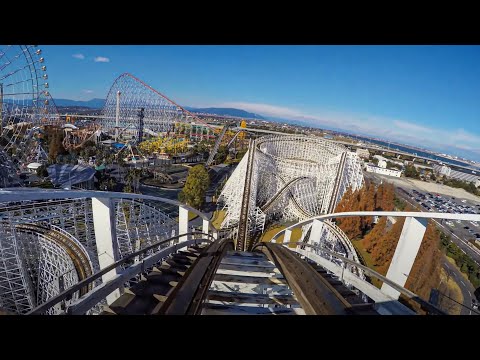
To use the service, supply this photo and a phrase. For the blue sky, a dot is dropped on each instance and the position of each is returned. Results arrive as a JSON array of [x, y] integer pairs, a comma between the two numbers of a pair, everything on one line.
[[420, 95]]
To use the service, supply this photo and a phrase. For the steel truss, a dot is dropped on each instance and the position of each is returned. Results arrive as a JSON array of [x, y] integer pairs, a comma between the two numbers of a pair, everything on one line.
[[160, 114], [48, 246]]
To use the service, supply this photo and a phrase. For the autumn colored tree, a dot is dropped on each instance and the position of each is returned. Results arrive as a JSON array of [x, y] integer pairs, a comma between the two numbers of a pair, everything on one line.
[[369, 198], [380, 240], [55, 146]]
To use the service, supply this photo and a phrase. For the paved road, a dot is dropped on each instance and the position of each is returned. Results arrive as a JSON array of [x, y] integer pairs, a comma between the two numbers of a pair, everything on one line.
[[173, 193], [169, 194], [465, 286]]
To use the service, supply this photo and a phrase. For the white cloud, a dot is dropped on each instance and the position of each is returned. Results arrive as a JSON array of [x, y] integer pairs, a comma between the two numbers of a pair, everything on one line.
[[264, 109], [101, 59], [410, 127], [87, 91], [393, 129], [78, 56]]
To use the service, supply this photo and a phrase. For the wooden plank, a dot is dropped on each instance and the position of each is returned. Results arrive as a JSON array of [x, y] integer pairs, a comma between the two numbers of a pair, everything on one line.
[[246, 254], [250, 279], [246, 288], [251, 298], [220, 309], [243, 268], [235, 271], [247, 261]]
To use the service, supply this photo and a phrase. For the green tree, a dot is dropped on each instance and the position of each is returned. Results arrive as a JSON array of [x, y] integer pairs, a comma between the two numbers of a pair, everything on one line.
[[107, 184], [133, 178], [222, 154], [411, 171], [196, 185]]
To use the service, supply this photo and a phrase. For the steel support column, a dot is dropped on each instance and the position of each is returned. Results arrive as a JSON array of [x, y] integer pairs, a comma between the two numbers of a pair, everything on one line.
[[405, 254], [315, 232], [287, 236], [205, 226], [183, 223]]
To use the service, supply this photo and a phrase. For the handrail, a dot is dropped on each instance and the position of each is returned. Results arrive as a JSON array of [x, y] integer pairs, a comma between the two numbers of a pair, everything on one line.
[[417, 214], [56, 299], [409, 294]]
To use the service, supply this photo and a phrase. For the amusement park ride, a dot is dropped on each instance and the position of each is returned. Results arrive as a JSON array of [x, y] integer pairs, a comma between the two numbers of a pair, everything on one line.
[[26, 106], [99, 252], [132, 110]]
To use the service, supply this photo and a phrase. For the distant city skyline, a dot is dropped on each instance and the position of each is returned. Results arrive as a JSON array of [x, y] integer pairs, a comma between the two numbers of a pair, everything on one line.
[[425, 96]]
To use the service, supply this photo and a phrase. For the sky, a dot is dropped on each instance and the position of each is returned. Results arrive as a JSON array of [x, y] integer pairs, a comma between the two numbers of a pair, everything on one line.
[[426, 96]]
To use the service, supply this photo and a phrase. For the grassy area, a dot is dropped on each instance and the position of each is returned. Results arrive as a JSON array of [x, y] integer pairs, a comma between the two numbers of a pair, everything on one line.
[[191, 216], [217, 218], [268, 235], [368, 262], [450, 288]]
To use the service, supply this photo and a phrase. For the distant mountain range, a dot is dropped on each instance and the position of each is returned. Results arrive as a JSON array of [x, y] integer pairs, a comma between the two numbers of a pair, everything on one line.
[[93, 104], [226, 112], [99, 103]]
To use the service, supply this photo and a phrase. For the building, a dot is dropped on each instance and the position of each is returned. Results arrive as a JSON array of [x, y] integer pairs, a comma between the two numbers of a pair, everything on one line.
[[380, 158], [382, 170], [363, 153], [463, 175], [65, 176], [382, 162], [443, 170]]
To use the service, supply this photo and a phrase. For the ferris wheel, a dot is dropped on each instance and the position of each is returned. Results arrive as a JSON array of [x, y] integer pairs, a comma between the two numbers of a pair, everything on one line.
[[25, 105]]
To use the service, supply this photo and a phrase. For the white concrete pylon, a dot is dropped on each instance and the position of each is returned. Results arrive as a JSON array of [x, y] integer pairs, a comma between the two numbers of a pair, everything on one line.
[[183, 223], [405, 254], [205, 226], [106, 239]]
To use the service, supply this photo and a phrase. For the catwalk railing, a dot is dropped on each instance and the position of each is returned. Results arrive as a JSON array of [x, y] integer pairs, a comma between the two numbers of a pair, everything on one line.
[[106, 231], [403, 258], [92, 298]]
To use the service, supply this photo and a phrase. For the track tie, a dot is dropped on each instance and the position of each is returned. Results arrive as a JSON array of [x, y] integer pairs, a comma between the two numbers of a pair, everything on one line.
[[120, 304], [107, 310]]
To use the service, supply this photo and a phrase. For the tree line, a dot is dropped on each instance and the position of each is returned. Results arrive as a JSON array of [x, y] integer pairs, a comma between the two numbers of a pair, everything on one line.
[[380, 240]]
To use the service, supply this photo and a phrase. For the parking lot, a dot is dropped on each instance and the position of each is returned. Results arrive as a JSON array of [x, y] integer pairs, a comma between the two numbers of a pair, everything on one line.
[[467, 231]]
